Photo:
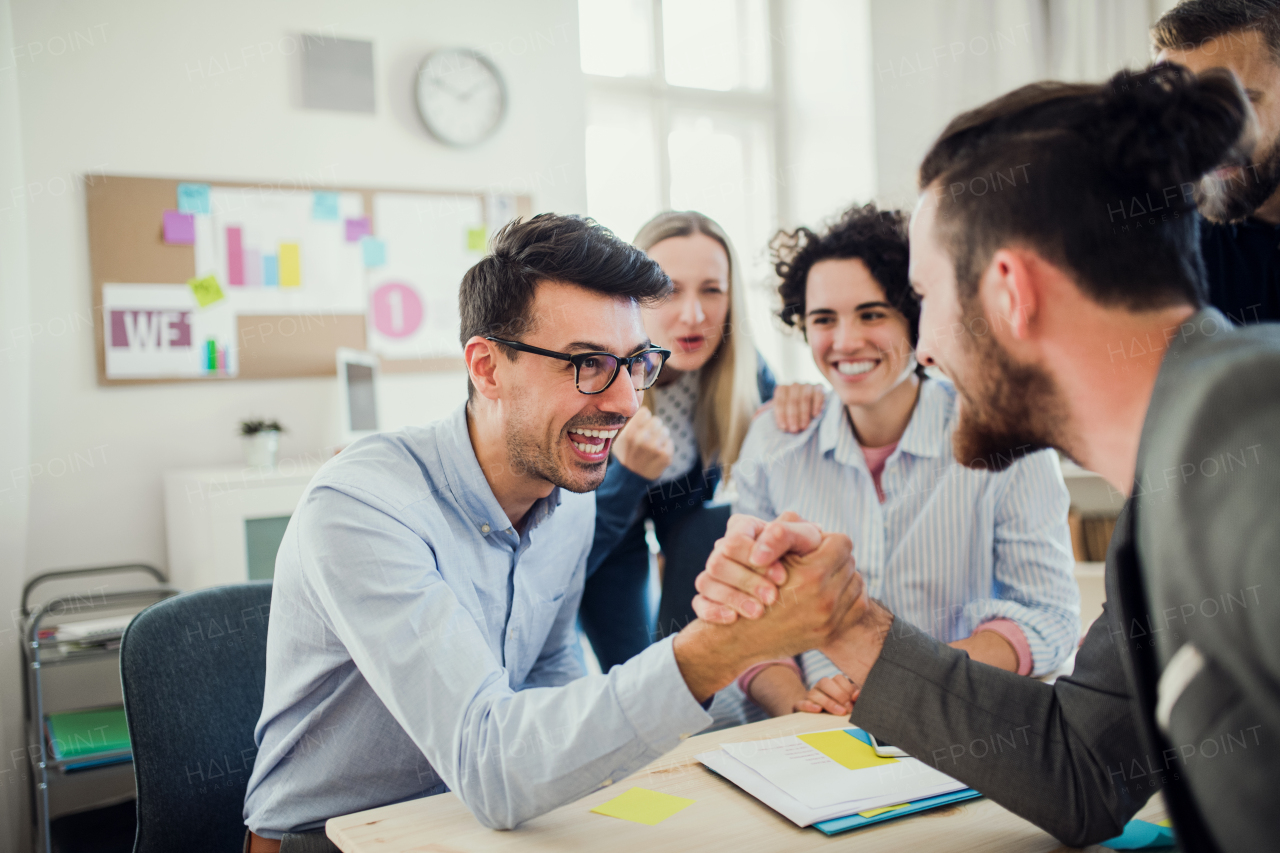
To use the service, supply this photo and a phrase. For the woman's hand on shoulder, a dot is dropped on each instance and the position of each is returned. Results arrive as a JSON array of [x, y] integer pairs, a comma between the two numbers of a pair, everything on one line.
[[644, 445], [796, 405]]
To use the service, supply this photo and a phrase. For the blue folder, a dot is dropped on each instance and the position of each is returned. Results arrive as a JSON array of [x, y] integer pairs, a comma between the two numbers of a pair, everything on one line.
[[855, 821]]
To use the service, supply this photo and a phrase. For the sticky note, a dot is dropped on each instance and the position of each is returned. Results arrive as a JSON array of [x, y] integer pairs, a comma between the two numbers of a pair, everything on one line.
[[290, 267], [375, 251], [193, 198], [1140, 835], [206, 290], [845, 749], [235, 257], [179, 228], [475, 239], [643, 806], [882, 810], [270, 271], [252, 268], [358, 228], [324, 205]]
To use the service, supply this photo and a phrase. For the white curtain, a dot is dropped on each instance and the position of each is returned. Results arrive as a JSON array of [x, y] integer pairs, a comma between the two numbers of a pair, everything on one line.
[[932, 59]]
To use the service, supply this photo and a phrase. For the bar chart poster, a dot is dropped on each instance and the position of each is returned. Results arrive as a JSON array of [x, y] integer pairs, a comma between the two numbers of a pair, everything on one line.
[[282, 252]]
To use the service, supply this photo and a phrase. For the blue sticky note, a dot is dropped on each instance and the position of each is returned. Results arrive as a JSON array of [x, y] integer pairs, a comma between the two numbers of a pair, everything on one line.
[[375, 251], [1140, 835], [324, 205], [270, 271], [193, 198]]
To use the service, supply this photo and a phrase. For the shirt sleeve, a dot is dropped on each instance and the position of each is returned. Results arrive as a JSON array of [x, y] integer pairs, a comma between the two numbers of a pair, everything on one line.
[[751, 477], [1034, 584], [508, 755]]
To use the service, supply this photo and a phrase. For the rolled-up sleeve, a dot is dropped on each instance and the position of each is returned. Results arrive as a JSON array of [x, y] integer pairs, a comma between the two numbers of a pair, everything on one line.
[[508, 755], [1033, 570]]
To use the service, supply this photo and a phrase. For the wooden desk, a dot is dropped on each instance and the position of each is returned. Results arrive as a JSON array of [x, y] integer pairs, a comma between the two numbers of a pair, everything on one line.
[[723, 817]]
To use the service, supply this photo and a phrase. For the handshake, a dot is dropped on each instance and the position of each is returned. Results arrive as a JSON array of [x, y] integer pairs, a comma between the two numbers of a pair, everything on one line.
[[776, 589]]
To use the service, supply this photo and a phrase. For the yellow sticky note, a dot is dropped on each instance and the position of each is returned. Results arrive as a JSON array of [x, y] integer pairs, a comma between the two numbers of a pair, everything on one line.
[[874, 812], [845, 749], [643, 806], [206, 290], [290, 267], [475, 239]]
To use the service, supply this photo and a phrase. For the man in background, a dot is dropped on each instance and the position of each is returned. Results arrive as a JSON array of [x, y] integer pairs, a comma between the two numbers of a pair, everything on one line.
[[1240, 238]]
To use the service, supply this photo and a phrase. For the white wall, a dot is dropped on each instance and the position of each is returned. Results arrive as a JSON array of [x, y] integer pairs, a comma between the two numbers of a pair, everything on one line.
[[15, 429], [931, 60], [147, 92]]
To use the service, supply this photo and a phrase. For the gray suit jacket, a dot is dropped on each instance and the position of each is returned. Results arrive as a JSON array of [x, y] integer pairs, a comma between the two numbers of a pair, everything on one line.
[[1193, 579]]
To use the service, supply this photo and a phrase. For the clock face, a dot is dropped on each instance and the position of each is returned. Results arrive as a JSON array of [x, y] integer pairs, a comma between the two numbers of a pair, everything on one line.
[[461, 97]]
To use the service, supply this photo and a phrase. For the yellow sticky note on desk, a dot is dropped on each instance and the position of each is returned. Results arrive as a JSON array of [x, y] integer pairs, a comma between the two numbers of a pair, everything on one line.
[[290, 265], [643, 806], [845, 749]]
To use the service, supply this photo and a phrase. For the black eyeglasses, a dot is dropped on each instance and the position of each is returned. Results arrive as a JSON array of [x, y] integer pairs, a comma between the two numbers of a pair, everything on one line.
[[594, 372]]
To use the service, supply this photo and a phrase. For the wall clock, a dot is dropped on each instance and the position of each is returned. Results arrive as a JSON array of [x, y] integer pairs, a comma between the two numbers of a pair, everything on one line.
[[461, 96]]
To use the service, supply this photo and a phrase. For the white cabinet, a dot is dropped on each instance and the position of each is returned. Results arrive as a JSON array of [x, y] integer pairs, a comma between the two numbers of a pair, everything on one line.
[[223, 524]]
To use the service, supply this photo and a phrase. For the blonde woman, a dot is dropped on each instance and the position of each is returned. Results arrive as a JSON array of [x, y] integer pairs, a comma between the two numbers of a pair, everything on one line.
[[669, 458]]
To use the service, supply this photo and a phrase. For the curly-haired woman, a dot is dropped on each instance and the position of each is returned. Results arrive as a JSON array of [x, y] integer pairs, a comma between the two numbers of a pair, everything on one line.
[[979, 559]]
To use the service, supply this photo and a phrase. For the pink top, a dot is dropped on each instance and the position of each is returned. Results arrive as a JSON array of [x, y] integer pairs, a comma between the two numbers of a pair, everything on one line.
[[1012, 632], [744, 680], [876, 457]]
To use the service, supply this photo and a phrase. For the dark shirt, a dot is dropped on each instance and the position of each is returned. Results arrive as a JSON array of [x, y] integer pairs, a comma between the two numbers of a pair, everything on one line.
[[1242, 261], [623, 492]]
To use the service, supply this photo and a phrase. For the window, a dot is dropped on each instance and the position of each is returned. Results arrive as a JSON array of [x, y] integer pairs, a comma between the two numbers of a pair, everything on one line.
[[682, 114]]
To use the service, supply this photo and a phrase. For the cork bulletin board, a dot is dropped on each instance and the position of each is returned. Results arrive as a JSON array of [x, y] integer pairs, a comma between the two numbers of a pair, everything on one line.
[[285, 323]]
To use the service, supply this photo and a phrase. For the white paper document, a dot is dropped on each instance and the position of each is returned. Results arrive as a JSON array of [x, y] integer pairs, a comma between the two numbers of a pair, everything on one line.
[[807, 786]]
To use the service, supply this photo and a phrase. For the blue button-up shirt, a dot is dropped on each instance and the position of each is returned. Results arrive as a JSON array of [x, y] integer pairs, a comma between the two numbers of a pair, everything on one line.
[[950, 547], [418, 644]]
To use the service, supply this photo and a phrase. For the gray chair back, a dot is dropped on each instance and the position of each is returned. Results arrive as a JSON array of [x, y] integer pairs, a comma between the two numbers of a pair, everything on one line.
[[194, 669]]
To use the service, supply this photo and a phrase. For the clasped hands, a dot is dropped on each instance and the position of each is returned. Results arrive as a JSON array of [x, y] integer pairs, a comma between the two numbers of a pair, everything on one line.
[[785, 587]]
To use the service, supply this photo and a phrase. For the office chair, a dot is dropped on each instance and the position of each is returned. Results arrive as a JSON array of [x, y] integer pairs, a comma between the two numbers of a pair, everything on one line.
[[193, 669]]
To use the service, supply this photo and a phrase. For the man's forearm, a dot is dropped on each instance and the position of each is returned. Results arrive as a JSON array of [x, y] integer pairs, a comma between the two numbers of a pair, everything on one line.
[[857, 649], [709, 658]]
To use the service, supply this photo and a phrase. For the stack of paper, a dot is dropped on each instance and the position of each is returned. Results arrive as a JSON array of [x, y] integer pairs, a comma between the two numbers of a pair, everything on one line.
[[826, 775]]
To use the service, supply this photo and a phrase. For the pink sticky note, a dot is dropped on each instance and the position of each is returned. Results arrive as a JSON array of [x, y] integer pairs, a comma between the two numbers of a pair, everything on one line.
[[235, 257], [357, 228], [179, 228]]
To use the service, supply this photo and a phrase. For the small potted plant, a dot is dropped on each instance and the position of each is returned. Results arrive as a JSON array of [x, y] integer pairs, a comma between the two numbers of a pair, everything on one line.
[[261, 441]]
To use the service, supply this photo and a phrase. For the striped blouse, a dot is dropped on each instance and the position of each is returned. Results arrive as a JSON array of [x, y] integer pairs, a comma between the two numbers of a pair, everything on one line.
[[950, 547]]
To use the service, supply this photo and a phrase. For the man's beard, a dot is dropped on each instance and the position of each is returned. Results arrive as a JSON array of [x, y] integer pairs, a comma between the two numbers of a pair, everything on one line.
[[530, 455], [1010, 410], [1232, 199]]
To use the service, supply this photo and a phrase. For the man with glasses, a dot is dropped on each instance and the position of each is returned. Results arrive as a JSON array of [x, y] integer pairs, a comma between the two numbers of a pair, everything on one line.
[[423, 633]]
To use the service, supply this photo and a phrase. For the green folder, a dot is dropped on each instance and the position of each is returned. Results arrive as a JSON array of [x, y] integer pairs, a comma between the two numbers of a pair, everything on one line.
[[83, 733]]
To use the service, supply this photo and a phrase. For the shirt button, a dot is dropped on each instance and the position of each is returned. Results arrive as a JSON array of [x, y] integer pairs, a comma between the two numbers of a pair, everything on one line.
[[484, 528]]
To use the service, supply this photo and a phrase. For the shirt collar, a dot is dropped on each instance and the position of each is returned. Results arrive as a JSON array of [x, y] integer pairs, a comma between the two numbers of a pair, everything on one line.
[[467, 483], [926, 433]]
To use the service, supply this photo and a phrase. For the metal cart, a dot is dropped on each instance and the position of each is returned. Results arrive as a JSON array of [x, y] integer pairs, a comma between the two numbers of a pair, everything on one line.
[[61, 679]]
